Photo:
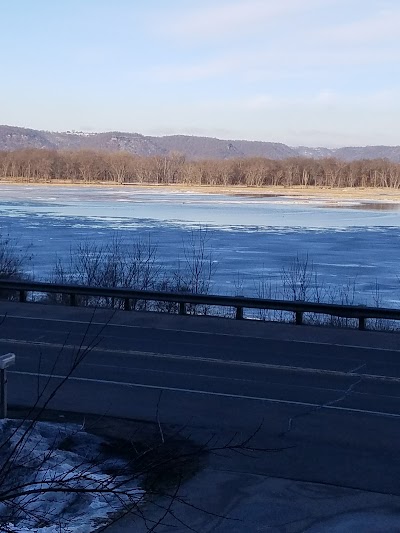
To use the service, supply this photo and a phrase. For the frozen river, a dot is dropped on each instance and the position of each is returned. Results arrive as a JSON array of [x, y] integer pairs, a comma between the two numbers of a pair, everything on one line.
[[250, 237]]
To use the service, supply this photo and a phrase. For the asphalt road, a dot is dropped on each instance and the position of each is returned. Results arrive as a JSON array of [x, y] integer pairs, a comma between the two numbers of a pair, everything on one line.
[[330, 398]]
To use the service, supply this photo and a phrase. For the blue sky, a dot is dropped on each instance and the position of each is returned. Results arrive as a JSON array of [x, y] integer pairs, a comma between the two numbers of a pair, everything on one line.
[[312, 72]]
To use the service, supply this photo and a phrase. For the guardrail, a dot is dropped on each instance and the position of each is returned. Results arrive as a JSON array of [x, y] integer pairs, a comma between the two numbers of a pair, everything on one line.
[[298, 308]]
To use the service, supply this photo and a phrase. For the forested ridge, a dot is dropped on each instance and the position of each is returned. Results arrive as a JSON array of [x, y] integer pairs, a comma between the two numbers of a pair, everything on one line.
[[89, 166]]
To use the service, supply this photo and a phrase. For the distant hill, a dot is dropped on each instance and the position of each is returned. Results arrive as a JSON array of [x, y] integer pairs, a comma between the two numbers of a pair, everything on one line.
[[14, 138], [210, 148], [353, 153]]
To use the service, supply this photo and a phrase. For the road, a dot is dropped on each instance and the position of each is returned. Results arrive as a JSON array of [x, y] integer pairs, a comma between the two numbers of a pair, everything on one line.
[[331, 398]]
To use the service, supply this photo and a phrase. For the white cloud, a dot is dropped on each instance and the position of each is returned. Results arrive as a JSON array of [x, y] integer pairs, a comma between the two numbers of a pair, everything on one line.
[[286, 62], [233, 18], [382, 26], [193, 72], [287, 49], [322, 99]]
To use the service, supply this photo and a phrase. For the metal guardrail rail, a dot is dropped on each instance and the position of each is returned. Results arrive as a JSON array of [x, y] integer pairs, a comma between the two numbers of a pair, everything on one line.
[[298, 308]]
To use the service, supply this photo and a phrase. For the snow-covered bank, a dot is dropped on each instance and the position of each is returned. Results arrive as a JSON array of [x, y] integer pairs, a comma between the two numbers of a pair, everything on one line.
[[57, 477], [306, 192]]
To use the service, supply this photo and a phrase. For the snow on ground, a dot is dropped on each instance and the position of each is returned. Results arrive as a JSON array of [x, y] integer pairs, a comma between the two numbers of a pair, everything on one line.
[[62, 479]]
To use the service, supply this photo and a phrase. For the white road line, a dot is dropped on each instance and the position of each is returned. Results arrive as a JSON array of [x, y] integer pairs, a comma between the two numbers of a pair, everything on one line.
[[209, 393], [211, 360], [132, 326]]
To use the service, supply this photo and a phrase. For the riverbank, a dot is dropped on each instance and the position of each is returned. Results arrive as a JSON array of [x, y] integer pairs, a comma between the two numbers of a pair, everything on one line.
[[299, 192]]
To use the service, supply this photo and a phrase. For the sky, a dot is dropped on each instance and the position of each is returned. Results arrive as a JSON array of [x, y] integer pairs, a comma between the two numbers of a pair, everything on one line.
[[301, 72]]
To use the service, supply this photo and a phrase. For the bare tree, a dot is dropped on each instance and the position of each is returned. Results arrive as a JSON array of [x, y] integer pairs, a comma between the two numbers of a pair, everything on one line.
[[13, 258], [119, 164], [124, 167]]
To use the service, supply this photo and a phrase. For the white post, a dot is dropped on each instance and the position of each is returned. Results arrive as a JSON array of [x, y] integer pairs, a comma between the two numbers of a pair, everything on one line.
[[5, 361], [3, 393]]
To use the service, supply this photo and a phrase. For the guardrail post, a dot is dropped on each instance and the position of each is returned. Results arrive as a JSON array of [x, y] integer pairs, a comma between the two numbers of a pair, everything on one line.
[[239, 313], [72, 299], [299, 318], [182, 308], [127, 304], [22, 296], [361, 323]]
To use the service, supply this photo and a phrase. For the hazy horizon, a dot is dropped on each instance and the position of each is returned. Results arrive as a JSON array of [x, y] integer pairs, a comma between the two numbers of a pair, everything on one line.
[[313, 73]]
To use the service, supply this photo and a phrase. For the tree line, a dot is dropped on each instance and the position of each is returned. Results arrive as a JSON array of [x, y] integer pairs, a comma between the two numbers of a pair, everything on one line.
[[87, 166]]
